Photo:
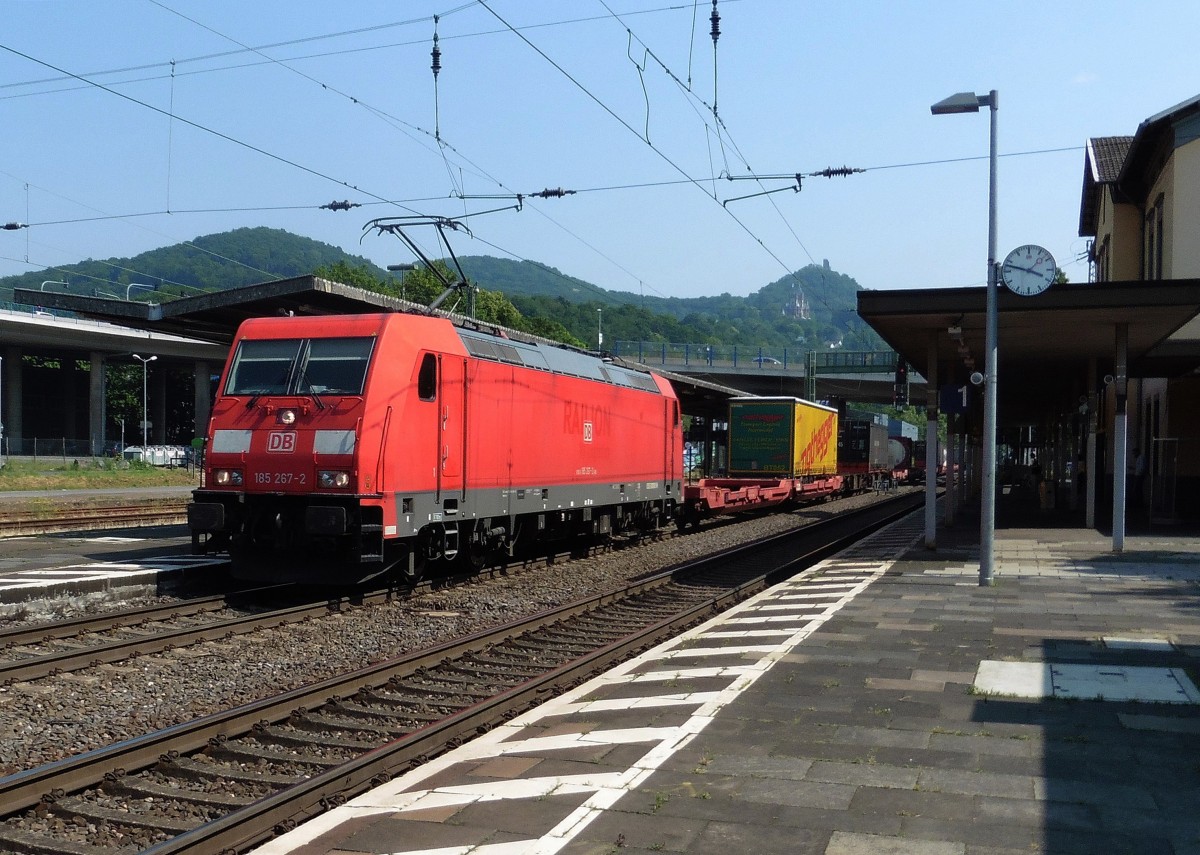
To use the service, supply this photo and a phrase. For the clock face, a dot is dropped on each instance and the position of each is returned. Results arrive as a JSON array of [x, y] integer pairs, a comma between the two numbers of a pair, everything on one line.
[[1028, 270]]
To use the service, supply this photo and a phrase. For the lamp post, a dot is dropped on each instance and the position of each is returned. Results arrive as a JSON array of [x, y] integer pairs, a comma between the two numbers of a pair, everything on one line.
[[145, 360], [599, 331], [969, 102]]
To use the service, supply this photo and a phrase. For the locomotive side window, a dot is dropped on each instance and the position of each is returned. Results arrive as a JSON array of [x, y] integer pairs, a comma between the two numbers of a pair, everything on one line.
[[335, 366], [427, 379], [263, 367]]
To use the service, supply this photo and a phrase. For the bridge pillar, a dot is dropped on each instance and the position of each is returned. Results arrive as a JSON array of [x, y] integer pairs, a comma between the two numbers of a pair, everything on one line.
[[13, 423], [97, 415], [202, 397]]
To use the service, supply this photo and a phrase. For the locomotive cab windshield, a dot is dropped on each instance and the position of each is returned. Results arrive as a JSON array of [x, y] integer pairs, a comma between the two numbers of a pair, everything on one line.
[[311, 366]]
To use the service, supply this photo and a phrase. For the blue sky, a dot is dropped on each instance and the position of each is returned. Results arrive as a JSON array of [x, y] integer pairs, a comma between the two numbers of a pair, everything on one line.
[[272, 109]]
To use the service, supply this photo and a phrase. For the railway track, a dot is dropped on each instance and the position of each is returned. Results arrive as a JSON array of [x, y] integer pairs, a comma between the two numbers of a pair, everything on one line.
[[43, 650], [232, 779], [47, 649], [59, 518]]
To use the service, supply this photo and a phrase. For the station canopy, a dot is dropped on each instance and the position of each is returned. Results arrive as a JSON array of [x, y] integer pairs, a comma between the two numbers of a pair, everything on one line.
[[1046, 341]]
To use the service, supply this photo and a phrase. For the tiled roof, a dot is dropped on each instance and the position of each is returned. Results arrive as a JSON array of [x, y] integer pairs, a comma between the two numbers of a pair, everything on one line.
[[1107, 156], [1101, 166]]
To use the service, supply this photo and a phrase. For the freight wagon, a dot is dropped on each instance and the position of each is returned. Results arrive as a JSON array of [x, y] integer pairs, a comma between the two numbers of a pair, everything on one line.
[[780, 450]]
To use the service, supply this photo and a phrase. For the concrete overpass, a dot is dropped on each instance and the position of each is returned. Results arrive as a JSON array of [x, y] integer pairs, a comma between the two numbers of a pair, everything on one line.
[[856, 376]]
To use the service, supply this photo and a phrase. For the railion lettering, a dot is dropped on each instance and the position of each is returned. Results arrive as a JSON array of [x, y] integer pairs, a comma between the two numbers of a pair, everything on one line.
[[577, 417]]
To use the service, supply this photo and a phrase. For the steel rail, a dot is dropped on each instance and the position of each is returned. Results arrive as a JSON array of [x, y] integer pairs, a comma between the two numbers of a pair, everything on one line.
[[61, 629], [114, 651]]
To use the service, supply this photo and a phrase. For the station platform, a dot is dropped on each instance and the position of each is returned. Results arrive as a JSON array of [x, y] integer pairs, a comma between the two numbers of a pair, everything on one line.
[[142, 561], [883, 702]]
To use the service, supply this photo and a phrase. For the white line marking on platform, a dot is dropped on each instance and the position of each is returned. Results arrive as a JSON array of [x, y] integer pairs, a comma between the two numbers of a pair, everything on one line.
[[732, 650], [652, 702]]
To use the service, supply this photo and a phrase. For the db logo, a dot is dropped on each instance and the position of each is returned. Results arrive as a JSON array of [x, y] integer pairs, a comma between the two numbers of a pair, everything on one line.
[[281, 441], [587, 432]]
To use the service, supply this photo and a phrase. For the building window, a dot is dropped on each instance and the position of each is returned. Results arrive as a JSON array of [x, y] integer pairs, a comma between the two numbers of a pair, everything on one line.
[[1158, 237], [1102, 261], [1152, 254]]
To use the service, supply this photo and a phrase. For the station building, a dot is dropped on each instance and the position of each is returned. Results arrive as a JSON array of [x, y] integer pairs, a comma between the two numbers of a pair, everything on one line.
[[1096, 377]]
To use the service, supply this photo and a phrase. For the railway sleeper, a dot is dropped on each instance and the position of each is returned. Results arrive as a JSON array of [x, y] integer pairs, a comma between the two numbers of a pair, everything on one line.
[[507, 675], [568, 649], [76, 806], [498, 664], [583, 640], [444, 678], [353, 710], [538, 659], [423, 694], [193, 770], [419, 711], [293, 736], [27, 843], [243, 752], [138, 787], [332, 721]]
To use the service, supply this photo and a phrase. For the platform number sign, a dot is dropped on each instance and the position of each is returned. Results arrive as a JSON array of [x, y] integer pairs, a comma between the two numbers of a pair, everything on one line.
[[954, 399]]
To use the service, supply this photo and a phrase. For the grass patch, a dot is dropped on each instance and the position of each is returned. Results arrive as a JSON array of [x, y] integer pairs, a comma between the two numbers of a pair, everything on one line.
[[88, 474]]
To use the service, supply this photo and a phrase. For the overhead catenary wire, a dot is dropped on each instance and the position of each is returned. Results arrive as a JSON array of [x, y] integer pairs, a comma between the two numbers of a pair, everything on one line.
[[441, 144]]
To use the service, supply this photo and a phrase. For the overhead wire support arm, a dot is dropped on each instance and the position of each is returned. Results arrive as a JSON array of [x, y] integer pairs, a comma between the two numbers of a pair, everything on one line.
[[795, 189]]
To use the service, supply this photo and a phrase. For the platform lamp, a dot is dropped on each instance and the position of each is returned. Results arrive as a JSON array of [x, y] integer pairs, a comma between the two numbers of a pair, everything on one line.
[[145, 360], [969, 102]]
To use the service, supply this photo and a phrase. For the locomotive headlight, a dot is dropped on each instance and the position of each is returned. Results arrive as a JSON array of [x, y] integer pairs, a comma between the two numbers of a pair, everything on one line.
[[286, 417], [333, 478], [227, 477]]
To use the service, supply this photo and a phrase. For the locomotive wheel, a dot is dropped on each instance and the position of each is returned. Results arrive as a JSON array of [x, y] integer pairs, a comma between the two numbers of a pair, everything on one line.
[[476, 555]]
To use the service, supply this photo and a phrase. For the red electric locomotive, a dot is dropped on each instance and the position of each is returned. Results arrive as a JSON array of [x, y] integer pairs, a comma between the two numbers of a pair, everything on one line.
[[341, 447]]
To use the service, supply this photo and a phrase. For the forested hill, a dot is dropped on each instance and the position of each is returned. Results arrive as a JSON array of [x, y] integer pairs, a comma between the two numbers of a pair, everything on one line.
[[211, 262], [815, 308]]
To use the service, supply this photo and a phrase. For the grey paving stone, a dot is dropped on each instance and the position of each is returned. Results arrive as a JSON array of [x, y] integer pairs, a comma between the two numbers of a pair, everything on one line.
[[977, 783], [850, 843], [524, 818], [1038, 814], [1094, 793], [863, 774], [780, 767], [616, 829], [796, 793]]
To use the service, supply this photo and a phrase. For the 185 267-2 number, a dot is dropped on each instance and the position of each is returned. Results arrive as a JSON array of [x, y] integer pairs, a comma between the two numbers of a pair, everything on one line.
[[280, 479]]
